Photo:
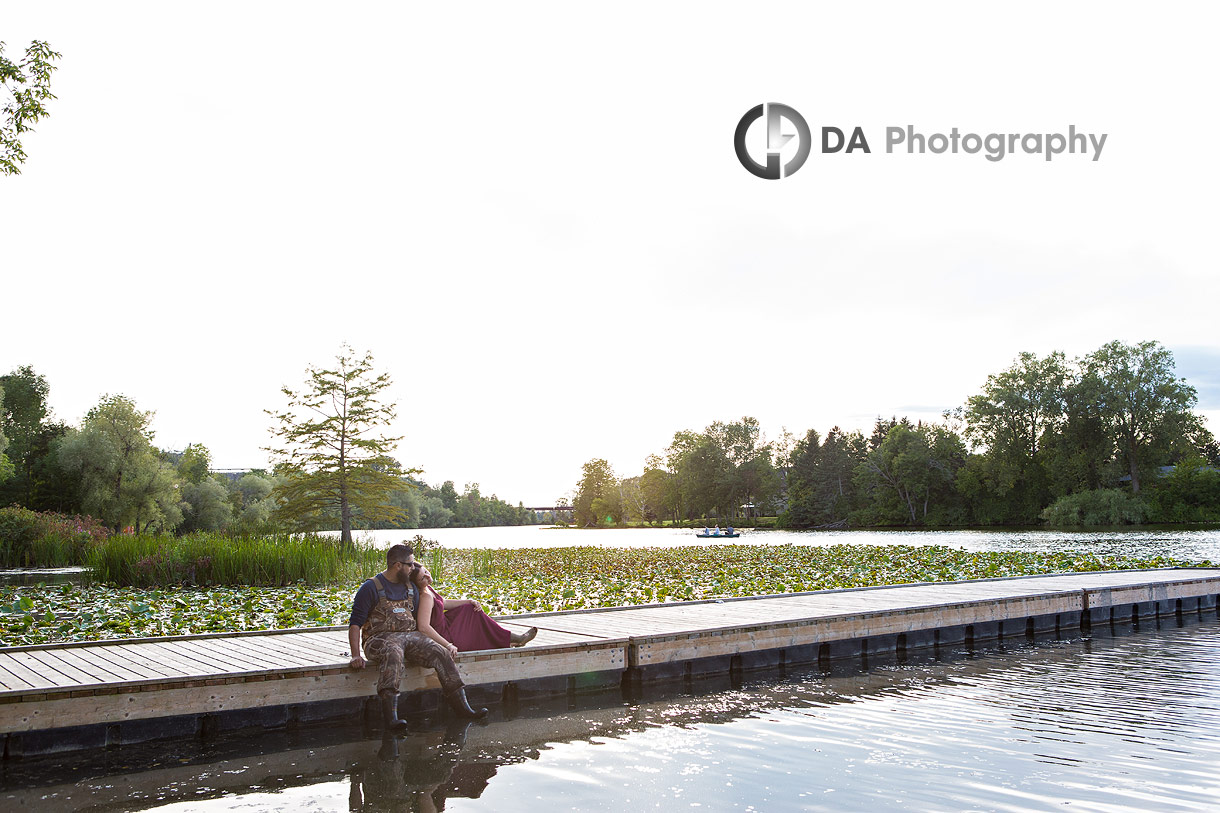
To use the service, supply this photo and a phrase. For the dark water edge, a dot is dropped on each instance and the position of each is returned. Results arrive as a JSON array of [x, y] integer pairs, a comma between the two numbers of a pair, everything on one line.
[[1119, 719], [43, 575]]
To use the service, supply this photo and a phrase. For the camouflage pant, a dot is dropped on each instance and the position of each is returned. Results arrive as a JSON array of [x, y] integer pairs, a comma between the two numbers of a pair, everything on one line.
[[392, 651]]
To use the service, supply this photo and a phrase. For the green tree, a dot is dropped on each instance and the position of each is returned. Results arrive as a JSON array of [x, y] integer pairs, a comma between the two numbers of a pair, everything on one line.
[[909, 476], [23, 414], [330, 445], [821, 488], [597, 495], [635, 503], [1146, 408], [194, 463], [448, 494], [206, 506], [1019, 413], [659, 489], [433, 513], [6, 467], [1080, 457], [251, 500], [1017, 407], [27, 84], [703, 479], [124, 481]]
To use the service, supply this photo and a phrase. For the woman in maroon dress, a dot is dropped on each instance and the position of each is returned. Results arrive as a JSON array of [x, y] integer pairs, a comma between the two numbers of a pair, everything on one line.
[[461, 621]]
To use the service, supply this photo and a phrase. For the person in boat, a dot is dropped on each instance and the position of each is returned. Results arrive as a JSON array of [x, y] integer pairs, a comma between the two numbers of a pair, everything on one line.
[[707, 531], [716, 530], [383, 630], [729, 532], [459, 624]]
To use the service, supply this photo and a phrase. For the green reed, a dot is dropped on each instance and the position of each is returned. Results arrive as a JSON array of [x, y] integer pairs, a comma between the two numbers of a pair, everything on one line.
[[214, 559]]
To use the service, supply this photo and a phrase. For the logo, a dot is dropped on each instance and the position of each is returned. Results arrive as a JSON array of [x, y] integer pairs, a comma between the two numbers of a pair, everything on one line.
[[846, 140], [776, 140]]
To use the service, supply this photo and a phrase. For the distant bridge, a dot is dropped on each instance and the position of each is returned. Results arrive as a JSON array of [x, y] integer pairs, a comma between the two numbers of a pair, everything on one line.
[[552, 509]]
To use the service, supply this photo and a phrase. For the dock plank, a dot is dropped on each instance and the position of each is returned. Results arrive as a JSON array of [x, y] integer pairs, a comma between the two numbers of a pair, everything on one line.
[[12, 682], [300, 650], [252, 653], [190, 666], [190, 658], [148, 656], [98, 673], [266, 655], [44, 670], [101, 659], [220, 660], [107, 656], [55, 660], [16, 667], [310, 642]]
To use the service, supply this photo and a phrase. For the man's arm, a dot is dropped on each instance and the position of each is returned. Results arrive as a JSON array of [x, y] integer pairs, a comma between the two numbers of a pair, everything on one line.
[[353, 642], [362, 603]]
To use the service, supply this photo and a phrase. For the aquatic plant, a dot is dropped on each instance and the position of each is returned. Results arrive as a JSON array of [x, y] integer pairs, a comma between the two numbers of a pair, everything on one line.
[[518, 581]]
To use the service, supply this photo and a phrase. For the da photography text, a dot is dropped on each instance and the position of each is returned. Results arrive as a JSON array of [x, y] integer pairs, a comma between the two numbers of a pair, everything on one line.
[[781, 124]]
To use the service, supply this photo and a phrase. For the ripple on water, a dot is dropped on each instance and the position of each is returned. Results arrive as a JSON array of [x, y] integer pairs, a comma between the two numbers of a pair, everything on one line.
[[1107, 724], [1123, 724]]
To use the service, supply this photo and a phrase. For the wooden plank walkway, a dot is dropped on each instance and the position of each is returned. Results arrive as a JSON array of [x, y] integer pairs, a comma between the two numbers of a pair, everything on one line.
[[115, 682]]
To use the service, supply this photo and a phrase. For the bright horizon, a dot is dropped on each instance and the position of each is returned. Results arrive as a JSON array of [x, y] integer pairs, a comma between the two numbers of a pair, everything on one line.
[[535, 220]]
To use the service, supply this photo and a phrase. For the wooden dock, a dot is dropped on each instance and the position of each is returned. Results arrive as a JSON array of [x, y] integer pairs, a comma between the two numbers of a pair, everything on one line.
[[88, 695]]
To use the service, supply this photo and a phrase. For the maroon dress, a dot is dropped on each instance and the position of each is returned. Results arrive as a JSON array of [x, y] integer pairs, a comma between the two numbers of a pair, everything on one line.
[[467, 627]]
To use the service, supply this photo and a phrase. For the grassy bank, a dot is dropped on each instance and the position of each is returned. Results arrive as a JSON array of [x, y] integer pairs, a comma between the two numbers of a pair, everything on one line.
[[518, 581]]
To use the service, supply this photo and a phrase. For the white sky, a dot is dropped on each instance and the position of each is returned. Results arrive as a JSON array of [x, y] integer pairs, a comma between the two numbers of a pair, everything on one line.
[[534, 218]]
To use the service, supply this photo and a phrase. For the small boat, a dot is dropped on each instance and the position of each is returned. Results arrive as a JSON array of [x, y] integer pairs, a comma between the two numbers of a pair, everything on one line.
[[721, 535]]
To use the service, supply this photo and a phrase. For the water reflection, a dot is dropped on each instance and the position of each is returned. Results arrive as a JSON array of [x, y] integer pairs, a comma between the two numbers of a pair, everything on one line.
[[44, 575], [1100, 723]]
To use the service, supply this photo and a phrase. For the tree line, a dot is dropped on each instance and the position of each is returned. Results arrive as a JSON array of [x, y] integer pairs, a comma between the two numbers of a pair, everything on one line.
[[1107, 438], [109, 468]]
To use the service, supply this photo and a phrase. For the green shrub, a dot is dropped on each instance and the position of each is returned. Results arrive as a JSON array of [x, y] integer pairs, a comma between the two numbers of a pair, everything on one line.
[[1190, 493], [45, 539], [1103, 506], [19, 527]]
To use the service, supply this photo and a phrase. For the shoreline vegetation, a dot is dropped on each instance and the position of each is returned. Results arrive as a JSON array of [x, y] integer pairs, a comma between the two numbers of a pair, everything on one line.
[[1110, 438], [505, 581]]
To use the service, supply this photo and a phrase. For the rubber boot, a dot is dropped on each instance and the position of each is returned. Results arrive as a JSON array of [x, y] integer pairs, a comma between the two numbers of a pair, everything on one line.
[[461, 706], [389, 713], [522, 638]]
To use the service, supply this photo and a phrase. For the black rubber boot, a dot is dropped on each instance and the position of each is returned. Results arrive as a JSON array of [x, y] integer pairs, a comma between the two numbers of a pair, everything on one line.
[[461, 706], [389, 713]]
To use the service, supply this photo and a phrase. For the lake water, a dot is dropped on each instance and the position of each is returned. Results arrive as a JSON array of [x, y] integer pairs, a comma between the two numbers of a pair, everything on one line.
[[1195, 543], [1115, 721]]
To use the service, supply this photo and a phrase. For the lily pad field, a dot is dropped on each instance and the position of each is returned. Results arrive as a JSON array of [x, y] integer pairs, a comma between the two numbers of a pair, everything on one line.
[[521, 581]]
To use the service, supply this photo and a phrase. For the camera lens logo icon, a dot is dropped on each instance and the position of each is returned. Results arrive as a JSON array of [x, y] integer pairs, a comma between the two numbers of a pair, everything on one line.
[[775, 114]]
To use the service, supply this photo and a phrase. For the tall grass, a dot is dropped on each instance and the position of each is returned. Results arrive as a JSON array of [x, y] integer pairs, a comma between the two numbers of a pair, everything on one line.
[[215, 559]]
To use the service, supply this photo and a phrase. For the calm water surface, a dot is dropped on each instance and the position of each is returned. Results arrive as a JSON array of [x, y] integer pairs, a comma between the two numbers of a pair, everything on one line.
[[1117, 721], [1187, 544]]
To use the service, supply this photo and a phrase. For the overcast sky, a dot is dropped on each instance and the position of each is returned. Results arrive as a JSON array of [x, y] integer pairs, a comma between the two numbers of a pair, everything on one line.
[[533, 216]]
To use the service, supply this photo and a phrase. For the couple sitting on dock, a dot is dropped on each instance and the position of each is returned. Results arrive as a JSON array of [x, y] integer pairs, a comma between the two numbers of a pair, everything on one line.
[[398, 619]]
